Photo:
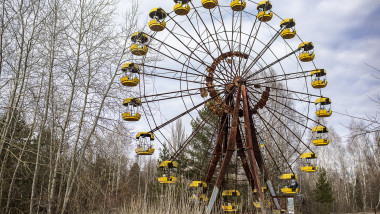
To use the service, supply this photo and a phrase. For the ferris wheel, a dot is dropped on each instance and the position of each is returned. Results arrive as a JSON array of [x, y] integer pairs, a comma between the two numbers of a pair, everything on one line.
[[251, 70]]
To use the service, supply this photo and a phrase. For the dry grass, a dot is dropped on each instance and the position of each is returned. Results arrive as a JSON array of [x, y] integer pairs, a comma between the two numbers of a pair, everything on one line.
[[174, 200], [169, 203]]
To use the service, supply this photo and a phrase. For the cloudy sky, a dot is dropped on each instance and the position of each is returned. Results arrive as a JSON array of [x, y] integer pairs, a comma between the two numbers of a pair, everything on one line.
[[346, 35]]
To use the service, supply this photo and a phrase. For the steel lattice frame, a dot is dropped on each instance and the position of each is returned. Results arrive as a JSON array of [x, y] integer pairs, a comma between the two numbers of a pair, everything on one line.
[[251, 68]]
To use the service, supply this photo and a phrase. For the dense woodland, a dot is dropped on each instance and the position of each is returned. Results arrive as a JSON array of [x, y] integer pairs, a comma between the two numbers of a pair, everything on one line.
[[65, 149]]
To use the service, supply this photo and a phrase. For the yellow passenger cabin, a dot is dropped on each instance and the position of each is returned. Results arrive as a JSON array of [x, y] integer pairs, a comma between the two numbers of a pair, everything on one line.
[[198, 192], [264, 11], [209, 4], [133, 105], [287, 190], [127, 116], [307, 51], [318, 78], [307, 159], [238, 5], [167, 169], [231, 200], [308, 156], [310, 168], [257, 204], [157, 22], [320, 136], [181, 7], [138, 50], [288, 26], [263, 189], [139, 40], [144, 143], [323, 107], [131, 72], [289, 183], [288, 177]]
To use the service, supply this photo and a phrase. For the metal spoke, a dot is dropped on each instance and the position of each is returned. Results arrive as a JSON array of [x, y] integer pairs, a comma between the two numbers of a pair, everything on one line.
[[284, 125], [218, 42], [172, 78], [199, 45], [267, 46], [278, 147], [273, 63], [288, 76], [192, 68], [182, 114]]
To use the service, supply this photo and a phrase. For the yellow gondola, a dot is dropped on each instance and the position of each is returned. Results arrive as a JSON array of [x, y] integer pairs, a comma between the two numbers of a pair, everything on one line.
[[318, 78], [289, 31], [131, 71], [209, 4], [320, 136], [197, 191], [323, 107], [144, 146], [264, 11], [262, 189], [133, 105], [258, 205], [167, 169], [181, 7], [292, 188], [157, 22], [238, 5], [307, 165], [231, 200], [307, 51], [139, 40]]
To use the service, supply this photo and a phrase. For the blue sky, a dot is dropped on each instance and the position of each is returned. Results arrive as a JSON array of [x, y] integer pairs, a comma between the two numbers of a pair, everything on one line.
[[346, 35]]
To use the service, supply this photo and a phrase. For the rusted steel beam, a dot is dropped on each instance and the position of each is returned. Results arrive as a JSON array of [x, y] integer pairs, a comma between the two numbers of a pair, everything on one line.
[[231, 141], [216, 154], [256, 149], [249, 141], [262, 102], [230, 150], [225, 132], [243, 159]]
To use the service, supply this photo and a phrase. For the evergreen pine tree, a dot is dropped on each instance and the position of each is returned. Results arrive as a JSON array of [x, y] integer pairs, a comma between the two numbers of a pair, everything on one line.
[[164, 154], [198, 149], [323, 192], [358, 194]]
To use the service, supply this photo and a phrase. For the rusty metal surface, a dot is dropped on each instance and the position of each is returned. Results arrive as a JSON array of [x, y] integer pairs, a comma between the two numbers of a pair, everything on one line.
[[231, 141], [243, 159], [249, 145], [210, 82], [216, 154], [230, 150], [263, 100], [256, 149]]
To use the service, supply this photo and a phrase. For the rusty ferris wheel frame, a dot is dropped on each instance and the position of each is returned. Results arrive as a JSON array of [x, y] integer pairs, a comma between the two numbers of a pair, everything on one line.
[[221, 58]]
